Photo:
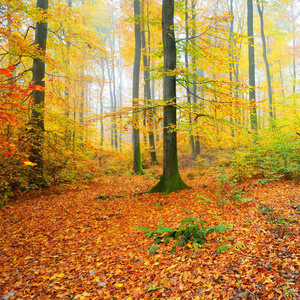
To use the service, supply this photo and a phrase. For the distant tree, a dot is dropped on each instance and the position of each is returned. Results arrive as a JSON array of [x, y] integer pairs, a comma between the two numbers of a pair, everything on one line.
[[251, 61], [260, 8], [170, 180], [137, 157], [147, 89], [37, 113]]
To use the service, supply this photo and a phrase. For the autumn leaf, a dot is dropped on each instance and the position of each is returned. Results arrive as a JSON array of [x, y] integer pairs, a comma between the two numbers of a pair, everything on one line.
[[28, 163]]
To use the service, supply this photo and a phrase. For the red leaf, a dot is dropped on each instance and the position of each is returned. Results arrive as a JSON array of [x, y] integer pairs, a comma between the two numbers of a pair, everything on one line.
[[4, 71]]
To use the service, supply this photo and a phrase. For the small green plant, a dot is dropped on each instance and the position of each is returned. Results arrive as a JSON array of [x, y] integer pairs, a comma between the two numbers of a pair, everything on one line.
[[281, 221], [191, 231], [239, 245], [101, 197], [264, 181], [223, 248], [237, 197], [190, 175], [265, 210], [288, 292], [275, 218], [223, 182], [156, 286], [158, 205], [204, 199], [152, 249]]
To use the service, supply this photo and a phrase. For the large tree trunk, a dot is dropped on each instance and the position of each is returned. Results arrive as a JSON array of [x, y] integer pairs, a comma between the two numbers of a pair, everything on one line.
[[171, 180], [137, 157], [252, 98], [37, 114]]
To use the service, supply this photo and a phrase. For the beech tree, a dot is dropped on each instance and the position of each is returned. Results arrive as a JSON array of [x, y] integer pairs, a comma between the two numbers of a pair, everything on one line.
[[37, 113], [260, 8], [137, 157], [251, 61], [147, 89], [170, 180]]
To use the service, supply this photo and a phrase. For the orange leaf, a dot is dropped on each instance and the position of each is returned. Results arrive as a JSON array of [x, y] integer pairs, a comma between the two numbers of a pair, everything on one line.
[[40, 88]]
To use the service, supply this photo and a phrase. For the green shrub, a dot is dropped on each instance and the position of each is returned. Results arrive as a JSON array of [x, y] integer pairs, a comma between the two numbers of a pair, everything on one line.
[[274, 155]]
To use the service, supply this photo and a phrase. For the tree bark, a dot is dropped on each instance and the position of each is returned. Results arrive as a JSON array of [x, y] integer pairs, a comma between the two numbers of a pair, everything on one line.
[[194, 68], [137, 156], [251, 60], [147, 90], [101, 104], [36, 176], [171, 180], [263, 39], [231, 65], [186, 58]]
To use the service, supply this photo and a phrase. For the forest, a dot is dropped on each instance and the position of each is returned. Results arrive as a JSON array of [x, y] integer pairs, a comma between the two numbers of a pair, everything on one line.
[[149, 149]]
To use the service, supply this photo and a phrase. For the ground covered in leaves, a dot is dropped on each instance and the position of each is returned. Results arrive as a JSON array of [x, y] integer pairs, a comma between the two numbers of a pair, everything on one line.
[[82, 243]]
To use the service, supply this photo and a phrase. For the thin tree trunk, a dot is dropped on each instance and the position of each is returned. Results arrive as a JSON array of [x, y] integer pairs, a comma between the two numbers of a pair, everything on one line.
[[251, 61], [101, 105], [121, 105], [147, 88], [112, 109], [137, 156], [294, 67], [194, 68], [231, 64], [114, 97], [260, 9], [282, 88], [186, 57]]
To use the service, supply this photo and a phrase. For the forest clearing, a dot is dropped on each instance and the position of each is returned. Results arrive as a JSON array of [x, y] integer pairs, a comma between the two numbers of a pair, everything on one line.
[[82, 243], [149, 149]]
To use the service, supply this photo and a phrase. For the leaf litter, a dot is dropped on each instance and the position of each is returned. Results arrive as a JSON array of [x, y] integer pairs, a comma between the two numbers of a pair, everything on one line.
[[77, 245]]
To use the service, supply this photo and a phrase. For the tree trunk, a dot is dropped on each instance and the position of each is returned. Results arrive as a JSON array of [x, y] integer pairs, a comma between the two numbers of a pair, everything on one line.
[[171, 180], [120, 137], [115, 136], [252, 99], [137, 156], [194, 68], [186, 58], [263, 39], [36, 176], [147, 89], [231, 64], [101, 105]]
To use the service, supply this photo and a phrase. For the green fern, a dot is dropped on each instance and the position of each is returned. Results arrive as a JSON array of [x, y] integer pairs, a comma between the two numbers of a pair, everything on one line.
[[223, 248], [192, 230]]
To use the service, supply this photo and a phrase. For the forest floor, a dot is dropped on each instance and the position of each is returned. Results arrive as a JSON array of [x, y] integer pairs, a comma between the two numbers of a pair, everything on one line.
[[81, 242]]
